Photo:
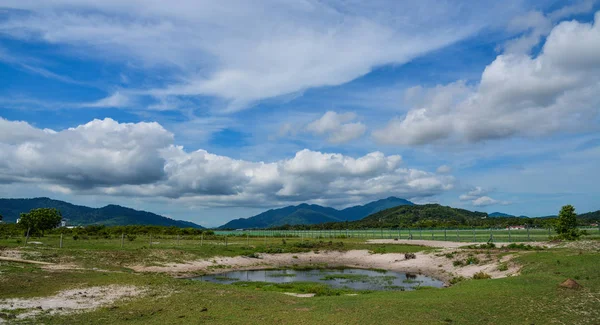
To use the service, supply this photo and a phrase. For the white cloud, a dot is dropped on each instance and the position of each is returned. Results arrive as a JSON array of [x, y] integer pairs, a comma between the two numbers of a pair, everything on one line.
[[444, 169], [536, 25], [337, 127], [247, 51], [484, 201], [139, 159], [473, 194], [99, 153], [478, 197], [517, 95], [115, 100]]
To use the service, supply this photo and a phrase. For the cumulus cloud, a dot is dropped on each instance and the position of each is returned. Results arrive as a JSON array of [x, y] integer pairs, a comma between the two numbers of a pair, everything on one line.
[[140, 159], [535, 25], [99, 153], [517, 95], [244, 51], [478, 197], [337, 127]]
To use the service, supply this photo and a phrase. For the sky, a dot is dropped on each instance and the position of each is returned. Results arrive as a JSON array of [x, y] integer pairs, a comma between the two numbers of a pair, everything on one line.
[[208, 111]]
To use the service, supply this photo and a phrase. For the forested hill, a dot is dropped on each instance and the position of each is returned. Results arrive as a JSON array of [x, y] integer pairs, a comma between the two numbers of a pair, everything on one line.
[[78, 215], [435, 215], [427, 215], [307, 214]]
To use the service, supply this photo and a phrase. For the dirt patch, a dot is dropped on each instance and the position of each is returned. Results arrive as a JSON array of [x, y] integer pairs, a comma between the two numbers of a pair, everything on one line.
[[11, 253], [69, 301], [570, 284], [300, 295], [435, 264], [585, 245], [450, 244]]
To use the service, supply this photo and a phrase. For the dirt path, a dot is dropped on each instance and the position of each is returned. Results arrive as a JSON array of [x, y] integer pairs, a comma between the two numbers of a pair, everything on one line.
[[18, 260]]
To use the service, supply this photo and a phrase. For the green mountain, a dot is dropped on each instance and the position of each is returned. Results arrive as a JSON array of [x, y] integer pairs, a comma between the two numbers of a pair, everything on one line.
[[77, 215], [499, 215], [309, 214], [591, 216], [427, 215]]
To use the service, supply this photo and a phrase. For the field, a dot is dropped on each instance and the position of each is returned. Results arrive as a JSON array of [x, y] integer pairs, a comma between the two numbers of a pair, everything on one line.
[[450, 234], [531, 297]]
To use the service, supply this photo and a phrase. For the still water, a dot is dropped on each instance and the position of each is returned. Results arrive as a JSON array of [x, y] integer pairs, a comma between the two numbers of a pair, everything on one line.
[[357, 279]]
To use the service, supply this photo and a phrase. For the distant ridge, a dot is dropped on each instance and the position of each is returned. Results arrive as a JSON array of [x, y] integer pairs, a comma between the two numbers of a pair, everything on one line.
[[499, 214], [78, 215], [312, 214]]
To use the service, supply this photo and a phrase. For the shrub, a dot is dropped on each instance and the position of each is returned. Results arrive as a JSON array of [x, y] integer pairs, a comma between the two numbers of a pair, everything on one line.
[[472, 260], [458, 263], [457, 279], [502, 266], [410, 256], [481, 276]]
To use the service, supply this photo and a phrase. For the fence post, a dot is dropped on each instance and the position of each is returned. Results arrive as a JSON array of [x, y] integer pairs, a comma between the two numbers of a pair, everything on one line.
[[27, 238], [432, 234], [409, 233], [201, 239], [457, 235], [474, 235], [122, 239], [445, 234], [61, 238], [509, 237], [150, 240], [420, 233], [528, 237]]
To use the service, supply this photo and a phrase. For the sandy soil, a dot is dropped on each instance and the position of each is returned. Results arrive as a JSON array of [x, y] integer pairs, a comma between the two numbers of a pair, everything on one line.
[[70, 301], [434, 264], [449, 244]]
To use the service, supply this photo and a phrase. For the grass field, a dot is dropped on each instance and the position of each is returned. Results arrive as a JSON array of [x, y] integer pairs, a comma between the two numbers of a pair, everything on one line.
[[533, 297], [464, 235]]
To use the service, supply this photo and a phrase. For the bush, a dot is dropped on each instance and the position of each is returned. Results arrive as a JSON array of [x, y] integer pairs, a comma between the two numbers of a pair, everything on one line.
[[472, 260], [502, 266], [481, 276], [410, 256], [457, 279], [458, 263]]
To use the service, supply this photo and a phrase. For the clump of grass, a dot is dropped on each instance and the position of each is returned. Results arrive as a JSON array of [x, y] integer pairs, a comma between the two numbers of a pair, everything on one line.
[[225, 278], [523, 247], [410, 256], [503, 266], [457, 279], [458, 263], [481, 276], [281, 275], [472, 260]]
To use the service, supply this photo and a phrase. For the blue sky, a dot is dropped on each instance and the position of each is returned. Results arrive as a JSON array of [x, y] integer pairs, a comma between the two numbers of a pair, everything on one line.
[[208, 111]]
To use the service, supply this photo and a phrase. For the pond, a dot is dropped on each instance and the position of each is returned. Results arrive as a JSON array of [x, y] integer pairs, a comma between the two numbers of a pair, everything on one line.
[[357, 279]]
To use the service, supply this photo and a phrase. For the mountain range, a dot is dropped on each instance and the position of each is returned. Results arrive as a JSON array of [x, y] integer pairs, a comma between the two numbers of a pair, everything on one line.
[[78, 215], [312, 214]]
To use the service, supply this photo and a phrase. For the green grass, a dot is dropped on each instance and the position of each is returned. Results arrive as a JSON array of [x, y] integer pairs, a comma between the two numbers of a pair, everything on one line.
[[534, 297]]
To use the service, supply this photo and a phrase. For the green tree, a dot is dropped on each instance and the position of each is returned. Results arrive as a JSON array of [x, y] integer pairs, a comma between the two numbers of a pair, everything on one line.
[[566, 225], [40, 220]]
